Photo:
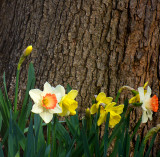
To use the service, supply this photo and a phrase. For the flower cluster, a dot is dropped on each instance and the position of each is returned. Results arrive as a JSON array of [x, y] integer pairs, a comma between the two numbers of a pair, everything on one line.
[[53, 100], [106, 105]]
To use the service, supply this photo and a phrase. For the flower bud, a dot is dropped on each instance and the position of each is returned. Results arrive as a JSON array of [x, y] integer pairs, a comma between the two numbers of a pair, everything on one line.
[[88, 113], [27, 51]]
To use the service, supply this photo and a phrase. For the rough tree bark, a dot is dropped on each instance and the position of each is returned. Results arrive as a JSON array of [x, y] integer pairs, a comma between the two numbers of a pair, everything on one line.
[[94, 45]]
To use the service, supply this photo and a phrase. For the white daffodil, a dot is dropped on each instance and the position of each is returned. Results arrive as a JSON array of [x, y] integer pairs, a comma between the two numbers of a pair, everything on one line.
[[148, 104], [46, 101]]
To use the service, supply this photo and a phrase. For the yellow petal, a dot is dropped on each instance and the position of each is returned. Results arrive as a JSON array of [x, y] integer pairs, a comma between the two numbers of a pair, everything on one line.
[[72, 94], [145, 84], [98, 103], [118, 109], [65, 112], [134, 99], [101, 96], [70, 104], [114, 119], [72, 113], [110, 106], [28, 50], [102, 117], [108, 100], [94, 109]]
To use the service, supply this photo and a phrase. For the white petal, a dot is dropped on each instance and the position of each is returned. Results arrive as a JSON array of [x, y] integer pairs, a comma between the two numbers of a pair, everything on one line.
[[46, 116], [60, 89], [35, 94], [141, 93], [144, 117], [149, 113], [146, 97], [47, 89], [143, 107], [149, 91], [57, 109], [37, 108]]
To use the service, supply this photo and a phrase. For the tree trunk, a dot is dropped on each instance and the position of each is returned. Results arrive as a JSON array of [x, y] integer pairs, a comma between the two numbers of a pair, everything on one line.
[[94, 45]]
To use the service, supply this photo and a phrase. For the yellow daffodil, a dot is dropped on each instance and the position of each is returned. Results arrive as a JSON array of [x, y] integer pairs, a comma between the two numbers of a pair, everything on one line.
[[101, 99], [46, 101], [68, 104], [148, 104], [115, 112]]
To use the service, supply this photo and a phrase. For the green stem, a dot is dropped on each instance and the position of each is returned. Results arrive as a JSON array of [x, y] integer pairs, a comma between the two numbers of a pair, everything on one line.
[[48, 133], [117, 97], [53, 150], [16, 91]]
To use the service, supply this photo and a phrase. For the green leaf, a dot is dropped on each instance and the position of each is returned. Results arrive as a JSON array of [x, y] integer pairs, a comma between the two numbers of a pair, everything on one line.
[[12, 146], [73, 128], [47, 151], [41, 151], [70, 149], [158, 154], [97, 150], [30, 144], [4, 110], [63, 134], [127, 143], [16, 91], [69, 88], [136, 146], [30, 85], [1, 118], [19, 135], [151, 145], [1, 151], [37, 122], [136, 128], [54, 134], [85, 142], [106, 135], [117, 97], [137, 104], [6, 94], [79, 150], [114, 134], [141, 149]]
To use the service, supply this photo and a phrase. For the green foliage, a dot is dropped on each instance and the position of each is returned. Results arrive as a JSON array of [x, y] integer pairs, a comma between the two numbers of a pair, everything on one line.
[[24, 134]]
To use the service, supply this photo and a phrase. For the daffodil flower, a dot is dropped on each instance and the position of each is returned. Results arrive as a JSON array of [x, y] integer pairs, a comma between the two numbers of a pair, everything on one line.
[[148, 104], [115, 112], [68, 104], [101, 100], [136, 98], [46, 101]]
